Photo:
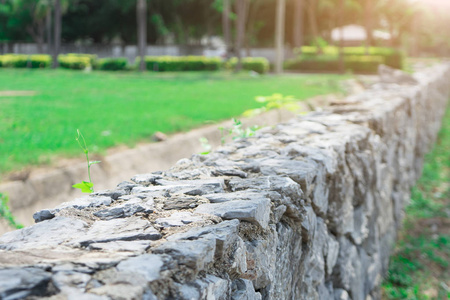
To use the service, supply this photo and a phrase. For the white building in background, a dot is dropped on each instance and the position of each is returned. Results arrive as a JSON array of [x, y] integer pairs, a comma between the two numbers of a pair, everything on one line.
[[355, 35]]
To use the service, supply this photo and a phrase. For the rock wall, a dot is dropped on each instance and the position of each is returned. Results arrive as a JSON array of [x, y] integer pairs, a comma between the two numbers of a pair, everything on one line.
[[306, 210]]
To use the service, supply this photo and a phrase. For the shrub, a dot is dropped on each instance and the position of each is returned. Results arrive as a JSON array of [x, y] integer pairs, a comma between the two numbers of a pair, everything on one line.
[[326, 63], [391, 57], [257, 64], [76, 61], [25, 61], [330, 63], [14, 60], [181, 63], [40, 61], [111, 64]]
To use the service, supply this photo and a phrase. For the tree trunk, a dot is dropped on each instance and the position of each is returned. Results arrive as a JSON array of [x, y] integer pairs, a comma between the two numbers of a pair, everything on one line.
[[368, 14], [279, 35], [48, 25], [57, 35], [240, 28], [312, 5], [252, 13], [226, 26], [141, 16], [298, 24], [341, 35]]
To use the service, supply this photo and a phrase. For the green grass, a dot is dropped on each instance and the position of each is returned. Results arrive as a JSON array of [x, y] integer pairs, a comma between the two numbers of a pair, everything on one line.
[[419, 268], [114, 108]]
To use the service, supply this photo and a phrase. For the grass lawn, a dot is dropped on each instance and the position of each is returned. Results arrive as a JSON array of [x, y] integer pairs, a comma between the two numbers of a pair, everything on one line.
[[419, 268], [124, 107]]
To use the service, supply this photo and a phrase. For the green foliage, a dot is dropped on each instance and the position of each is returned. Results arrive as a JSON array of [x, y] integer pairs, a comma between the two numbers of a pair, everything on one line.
[[421, 260], [257, 64], [84, 186], [6, 214], [111, 64], [40, 61], [181, 63], [358, 59], [238, 132], [205, 145], [76, 61], [14, 60], [25, 61], [330, 63], [275, 101]]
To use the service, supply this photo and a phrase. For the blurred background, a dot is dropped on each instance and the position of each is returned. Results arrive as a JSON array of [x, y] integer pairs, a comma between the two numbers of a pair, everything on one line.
[[127, 73], [109, 28]]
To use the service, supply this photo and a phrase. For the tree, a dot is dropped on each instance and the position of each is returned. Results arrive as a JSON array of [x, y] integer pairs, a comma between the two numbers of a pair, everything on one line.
[[279, 35], [141, 14], [226, 25], [241, 9], [297, 38], [57, 35]]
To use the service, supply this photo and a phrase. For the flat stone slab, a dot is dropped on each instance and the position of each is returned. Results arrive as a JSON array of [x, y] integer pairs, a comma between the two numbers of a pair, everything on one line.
[[129, 229], [253, 211], [46, 234]]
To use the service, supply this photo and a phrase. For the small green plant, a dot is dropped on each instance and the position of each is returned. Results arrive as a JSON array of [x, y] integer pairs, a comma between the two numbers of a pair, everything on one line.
[[206, 145], [235, 131], [6, 214], [275, 101], [85, 186]]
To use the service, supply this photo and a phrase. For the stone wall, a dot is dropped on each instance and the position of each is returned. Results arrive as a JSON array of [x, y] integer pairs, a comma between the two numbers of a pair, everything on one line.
[[308, 209]]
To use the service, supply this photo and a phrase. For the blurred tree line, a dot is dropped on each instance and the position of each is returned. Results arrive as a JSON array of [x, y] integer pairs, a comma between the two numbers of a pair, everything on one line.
[[247, 23]]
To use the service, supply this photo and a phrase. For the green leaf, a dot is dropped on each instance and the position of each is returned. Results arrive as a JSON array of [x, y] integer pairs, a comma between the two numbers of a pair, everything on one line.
[[84, 186], [94, 162]]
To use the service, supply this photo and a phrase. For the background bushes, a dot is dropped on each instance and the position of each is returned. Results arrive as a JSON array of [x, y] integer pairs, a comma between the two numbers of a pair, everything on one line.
[[76, 61], [357, 59], [25, 61], [181, 63], [111, 64], [257, 64]]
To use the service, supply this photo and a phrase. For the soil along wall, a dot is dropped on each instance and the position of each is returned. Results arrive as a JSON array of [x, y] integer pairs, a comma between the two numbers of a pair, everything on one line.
[[306, 210]]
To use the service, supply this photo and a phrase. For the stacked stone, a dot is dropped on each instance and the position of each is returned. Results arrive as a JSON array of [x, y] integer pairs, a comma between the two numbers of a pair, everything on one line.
[[305, 210]]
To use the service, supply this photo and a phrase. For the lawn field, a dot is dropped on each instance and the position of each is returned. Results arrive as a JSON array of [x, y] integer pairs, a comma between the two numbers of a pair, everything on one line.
[[114, 108], [420, 266]]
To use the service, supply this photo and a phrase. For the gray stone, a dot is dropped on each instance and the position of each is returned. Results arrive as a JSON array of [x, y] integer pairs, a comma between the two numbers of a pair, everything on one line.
[[129, 229], [224, 233], [127, 209], [253, 211], [147, 265], [80, 203], [18, 283], [177, 202], [146, 179], [390, 75], [178, 219], [210, 287], [229, 172], [242, 289], [332, 253], [45, 214], [46, 234], [195, 254], [139, 246], [340, 294]]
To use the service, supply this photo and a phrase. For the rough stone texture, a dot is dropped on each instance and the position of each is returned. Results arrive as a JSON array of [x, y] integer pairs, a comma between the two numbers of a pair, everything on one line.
[[308, 209]]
